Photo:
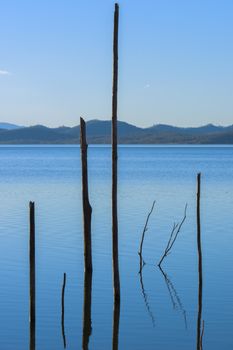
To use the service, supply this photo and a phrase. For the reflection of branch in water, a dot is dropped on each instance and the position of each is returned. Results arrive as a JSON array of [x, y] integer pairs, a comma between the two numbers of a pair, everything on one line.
[[169, 289], [87, 329], [116, 323], [142, 262], [175, 299], [146, 299], [63, 310]]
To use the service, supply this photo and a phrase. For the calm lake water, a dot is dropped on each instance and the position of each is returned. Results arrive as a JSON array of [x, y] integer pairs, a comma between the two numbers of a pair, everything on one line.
[[155, 313]]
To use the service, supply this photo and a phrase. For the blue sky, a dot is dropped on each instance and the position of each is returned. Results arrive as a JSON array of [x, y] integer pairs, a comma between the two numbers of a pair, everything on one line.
[[175, 61]]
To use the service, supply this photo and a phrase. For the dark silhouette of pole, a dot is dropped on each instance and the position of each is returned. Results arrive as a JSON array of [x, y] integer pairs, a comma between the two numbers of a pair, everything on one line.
[[116, 277], [87, 210], [200, 281], [63, 310], [32, 317]]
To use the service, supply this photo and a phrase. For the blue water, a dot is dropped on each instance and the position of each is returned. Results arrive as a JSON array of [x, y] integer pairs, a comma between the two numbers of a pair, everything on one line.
[[149, 317]]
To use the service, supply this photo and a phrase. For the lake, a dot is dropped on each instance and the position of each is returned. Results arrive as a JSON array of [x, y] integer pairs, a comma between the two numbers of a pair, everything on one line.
[[158, 310]]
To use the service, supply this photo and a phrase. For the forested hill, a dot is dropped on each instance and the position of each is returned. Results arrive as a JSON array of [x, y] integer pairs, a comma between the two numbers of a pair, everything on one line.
[[99, 132]]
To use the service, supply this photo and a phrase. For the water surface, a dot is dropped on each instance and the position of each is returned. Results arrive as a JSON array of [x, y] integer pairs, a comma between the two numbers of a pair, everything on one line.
[[150, 318]]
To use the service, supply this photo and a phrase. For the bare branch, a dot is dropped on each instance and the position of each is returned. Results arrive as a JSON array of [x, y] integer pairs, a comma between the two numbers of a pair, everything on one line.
[[142, 262], [173, 236]]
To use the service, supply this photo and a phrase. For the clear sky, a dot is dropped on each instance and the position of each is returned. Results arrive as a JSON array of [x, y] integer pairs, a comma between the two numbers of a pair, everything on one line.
[[175, 61]]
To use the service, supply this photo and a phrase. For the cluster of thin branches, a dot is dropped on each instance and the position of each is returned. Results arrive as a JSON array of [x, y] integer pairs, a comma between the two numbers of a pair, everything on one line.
[[173, 236], [176, 302]]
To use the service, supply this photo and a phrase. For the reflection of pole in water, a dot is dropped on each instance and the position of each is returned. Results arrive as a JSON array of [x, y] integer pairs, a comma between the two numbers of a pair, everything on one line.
[[32, 277], [87, 329], [200, 281], [144, 294], [116, 323], [175, 299], [63, 310]]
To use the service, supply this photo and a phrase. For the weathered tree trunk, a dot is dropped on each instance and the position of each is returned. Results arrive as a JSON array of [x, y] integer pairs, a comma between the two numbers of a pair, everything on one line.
[[200, 285], [116, 277], [87, 210], [32, 316]]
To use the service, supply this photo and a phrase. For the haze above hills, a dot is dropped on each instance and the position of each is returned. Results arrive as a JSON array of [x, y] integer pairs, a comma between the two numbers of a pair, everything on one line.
[[99, 132]]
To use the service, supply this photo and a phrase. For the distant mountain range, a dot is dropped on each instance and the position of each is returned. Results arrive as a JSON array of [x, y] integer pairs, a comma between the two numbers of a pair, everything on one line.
[[9, 126], [99, 132]]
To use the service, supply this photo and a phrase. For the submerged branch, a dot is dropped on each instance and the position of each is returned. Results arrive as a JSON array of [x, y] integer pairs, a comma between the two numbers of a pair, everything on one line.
[[142, 262], [173, 236]]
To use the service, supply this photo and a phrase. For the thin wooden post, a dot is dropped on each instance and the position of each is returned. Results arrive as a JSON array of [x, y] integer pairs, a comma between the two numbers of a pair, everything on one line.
[[200, 281], [63, 310], [87, 210], [32, 316], [116, 277]]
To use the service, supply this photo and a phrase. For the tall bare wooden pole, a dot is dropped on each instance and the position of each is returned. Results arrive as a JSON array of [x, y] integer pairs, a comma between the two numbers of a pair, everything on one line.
[[200, 281], [116, 277], [87, 210], [32, 316]]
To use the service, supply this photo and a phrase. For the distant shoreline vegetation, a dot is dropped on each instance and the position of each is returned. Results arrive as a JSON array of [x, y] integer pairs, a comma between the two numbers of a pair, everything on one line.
[[99, 132]]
